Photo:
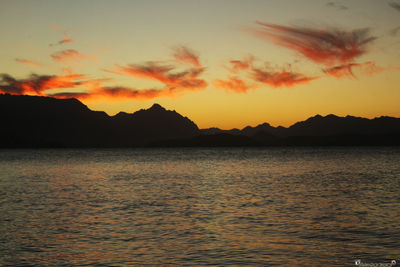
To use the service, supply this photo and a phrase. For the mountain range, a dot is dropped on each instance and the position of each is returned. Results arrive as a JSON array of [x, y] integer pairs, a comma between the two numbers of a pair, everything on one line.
[[33, 122]]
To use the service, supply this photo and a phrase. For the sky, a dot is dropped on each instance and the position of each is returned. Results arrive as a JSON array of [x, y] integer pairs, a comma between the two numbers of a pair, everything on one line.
[[225, 64]]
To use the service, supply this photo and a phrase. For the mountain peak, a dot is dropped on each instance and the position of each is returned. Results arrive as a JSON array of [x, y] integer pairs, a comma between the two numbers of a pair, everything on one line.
[[157, 107]]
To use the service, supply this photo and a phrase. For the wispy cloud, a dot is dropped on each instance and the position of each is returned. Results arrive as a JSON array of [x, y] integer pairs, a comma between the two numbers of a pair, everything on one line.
[[77, 95], [28, 62], [175, 80], [367, 68], [185, 55], [280, 78], [38, 84], [247, 75], [71, 57], [233, 84], [337, 6], [169, 75], [149, 70], [394, 31], [163, 73], [120, 92], [235, 66], [66, 40], [43, 85], [125, 92], [322, 46], [395, 5]]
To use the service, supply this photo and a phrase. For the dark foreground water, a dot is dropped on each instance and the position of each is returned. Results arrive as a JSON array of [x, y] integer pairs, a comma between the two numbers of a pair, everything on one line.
[[242, 206]]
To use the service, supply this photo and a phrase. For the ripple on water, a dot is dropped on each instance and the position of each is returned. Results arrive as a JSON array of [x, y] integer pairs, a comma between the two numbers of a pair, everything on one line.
[[292, 206]]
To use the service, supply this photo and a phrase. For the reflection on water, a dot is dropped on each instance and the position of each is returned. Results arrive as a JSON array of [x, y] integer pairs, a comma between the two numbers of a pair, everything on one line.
[[280, 206]]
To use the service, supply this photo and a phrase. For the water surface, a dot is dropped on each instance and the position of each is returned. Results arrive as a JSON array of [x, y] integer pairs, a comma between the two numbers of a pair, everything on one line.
[[238, 206]]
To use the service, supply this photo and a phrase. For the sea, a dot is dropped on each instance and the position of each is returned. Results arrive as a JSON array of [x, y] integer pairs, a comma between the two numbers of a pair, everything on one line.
[[292, 206]]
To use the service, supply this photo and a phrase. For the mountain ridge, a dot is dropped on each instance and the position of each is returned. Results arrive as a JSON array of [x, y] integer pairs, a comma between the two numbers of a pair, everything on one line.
[[35, 121]]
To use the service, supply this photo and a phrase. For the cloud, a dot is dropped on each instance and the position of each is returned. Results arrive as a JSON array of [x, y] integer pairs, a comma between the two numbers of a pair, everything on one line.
[[174, 79], [367, 68], [67, 56], [394, 31], [9, 85], [322, 46], [163, 73], [168, 74], [38, 84], [65, 40], [341, 70], [233, 84], [28, 62], [185, 55], [71, 57], [336, 5], [266, 76], [149, 70], [124, 92], [395, 5], [280, 78], [120, 92], [77, 95], [42, 85], [235, 66]]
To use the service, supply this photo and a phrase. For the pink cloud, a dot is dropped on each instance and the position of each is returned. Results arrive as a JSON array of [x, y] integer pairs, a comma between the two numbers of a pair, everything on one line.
[[71, 57], [367, 68], [28, 62], [233, 84], [280, 78], [185, 55], [322, 46]]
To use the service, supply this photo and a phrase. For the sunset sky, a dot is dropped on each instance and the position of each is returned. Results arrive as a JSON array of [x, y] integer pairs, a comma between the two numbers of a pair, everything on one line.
[[226, 64]]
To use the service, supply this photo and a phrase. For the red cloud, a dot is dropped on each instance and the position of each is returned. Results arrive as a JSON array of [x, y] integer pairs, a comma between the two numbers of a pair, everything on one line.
[[266, 76], [183, 54], [149, 70], [68, 56], [71, 57], [368, 68], [326, 47], [66, 40], [28, 62], [77, 95], [40, 84], [341, 71], [162, 73], [132, 93], [120, 92], [37, 84], [167, 74], [282, 78], [240, 65], [233, 84]]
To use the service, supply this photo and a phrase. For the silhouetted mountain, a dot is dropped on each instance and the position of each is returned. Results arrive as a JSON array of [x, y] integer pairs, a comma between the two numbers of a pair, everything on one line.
[[154, 124], [322, 126], [214, 130], [31, 121], [331, 124]]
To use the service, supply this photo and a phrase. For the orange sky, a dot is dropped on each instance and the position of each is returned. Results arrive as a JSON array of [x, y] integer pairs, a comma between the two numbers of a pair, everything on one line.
[[221, 63]]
